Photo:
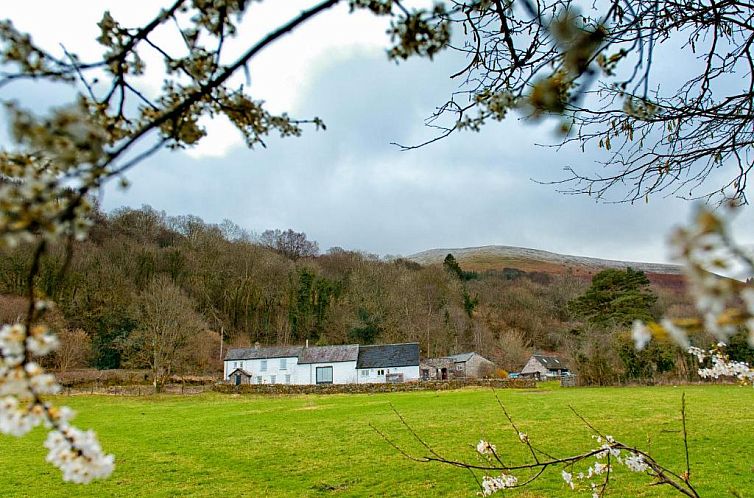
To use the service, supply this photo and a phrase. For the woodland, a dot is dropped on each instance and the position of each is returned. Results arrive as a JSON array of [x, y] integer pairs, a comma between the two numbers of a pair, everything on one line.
[[144, 275]]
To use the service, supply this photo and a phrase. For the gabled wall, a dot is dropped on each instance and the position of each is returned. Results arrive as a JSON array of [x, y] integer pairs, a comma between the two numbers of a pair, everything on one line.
[[478, 366], [533, 366]]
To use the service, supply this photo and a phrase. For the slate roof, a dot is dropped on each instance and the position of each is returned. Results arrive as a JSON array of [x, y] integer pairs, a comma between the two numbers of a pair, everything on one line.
[[263, 352], [239, 369], [329, 354], [461, 357], [552, 362], [388, 355]]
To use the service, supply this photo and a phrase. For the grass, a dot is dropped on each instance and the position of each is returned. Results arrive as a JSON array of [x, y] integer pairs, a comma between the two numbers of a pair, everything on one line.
[[234, 446]]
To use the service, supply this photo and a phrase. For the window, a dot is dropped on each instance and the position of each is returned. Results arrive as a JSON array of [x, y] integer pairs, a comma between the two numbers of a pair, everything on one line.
[[263, 368], [283, 364], [459, 367], [324, 375], [259, 379], [272, 379], [287, 378], [380, 372], [365, 373]]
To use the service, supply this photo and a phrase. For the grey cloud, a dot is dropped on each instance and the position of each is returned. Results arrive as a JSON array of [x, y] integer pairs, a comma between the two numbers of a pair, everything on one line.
[[348, 187]]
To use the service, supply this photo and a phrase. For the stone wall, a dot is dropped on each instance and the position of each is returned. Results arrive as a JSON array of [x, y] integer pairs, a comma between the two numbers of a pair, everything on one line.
[[373, 388]]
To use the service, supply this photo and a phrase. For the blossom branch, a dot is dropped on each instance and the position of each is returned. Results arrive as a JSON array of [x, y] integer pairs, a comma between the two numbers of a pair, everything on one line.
[[611, 450]]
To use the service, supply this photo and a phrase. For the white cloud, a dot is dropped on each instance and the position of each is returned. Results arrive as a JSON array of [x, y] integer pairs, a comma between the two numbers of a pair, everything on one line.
[[348, 186]]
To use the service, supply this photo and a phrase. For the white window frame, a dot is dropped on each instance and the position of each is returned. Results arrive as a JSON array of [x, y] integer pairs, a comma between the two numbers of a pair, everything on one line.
[[283, 364], [273, 378], [263, 366]]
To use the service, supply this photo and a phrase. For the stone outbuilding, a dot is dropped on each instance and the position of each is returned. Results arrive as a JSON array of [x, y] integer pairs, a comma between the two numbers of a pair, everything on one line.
[[239, 376], [435, 369], [458, 366], [542, 366]]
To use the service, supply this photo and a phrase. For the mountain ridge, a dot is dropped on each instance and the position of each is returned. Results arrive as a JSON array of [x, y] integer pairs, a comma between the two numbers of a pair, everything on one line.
[[492, 257]]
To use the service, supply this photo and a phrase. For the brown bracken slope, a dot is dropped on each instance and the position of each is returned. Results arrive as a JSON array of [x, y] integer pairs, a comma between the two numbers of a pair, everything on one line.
[[481, 259]]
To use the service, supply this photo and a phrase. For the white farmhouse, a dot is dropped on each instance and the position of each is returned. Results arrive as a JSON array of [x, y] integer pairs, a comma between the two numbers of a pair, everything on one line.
[[274, 365], [347, 364]]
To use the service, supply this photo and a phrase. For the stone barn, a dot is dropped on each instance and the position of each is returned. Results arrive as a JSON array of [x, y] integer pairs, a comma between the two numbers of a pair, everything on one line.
[[458, 366], [542, 366]]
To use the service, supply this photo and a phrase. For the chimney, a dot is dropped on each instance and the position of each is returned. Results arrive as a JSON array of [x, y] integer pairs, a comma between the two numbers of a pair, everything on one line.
[[256, 345], [307, 343]]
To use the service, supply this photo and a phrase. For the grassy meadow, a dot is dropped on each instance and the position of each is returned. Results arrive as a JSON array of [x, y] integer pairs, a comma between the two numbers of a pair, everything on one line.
[[234, 446]]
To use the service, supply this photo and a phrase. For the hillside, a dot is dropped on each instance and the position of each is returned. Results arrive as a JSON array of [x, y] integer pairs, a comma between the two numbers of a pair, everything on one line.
[[481, 259]]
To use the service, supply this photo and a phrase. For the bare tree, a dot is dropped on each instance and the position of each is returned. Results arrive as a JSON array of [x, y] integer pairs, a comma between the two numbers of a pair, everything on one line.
[[168, 328], [292, 245], [594, 65], [74, 351]]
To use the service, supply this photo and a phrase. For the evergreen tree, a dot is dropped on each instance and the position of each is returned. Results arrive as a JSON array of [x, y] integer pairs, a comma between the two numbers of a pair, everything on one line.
[[615, 298]]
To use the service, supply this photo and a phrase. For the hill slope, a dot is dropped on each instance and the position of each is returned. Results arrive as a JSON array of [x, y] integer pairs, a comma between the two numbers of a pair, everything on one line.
[[533, 260]]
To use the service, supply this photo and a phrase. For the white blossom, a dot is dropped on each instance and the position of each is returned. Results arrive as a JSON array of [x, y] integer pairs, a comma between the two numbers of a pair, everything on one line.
[[19, 417], [78, 455], [485, 448], [635, 463], [41, 341], [599, 468], [676, 333], [491, 485], [640, 334], [12, 342], [722, 366], [568, 478]]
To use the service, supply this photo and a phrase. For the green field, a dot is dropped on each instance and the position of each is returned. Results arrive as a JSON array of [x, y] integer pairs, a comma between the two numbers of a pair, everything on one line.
[[233, 446]]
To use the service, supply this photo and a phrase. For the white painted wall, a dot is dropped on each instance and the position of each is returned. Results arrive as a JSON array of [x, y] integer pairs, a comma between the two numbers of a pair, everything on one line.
[[344, 372], [377, 375], [273, 369]]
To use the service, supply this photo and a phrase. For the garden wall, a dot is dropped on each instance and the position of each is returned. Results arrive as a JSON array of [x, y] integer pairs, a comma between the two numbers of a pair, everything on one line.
[[373, 388]]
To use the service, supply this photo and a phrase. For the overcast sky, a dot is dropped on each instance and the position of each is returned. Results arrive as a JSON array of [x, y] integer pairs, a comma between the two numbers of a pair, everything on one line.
[[348, 186]]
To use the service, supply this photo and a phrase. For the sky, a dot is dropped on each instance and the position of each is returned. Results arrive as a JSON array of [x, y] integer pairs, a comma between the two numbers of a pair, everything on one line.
[[348, 186]]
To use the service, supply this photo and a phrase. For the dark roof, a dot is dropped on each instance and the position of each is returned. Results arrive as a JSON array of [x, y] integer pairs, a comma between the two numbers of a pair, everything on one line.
[[263, 352], [551, 362], [388, 355], [239, 369], [461, 357], [329, 354]]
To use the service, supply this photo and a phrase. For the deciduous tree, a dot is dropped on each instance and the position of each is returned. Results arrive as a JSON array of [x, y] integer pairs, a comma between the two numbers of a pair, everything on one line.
[[168, 328]]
